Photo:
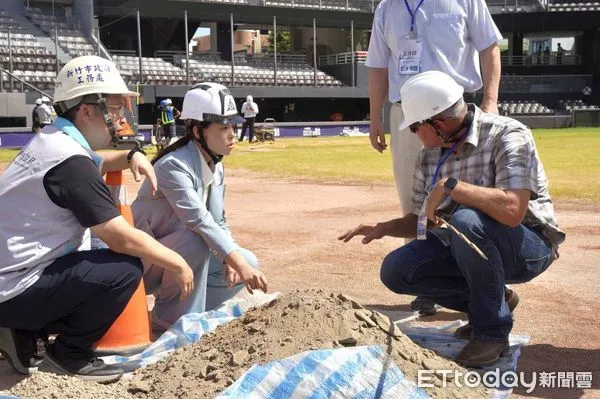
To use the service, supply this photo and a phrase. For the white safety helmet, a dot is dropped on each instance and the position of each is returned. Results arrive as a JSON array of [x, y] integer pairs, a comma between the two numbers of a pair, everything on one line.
[[45, 99], [38, 101], [249, 98], [426, 95], [168, 101], [87, 75], [210, 102]]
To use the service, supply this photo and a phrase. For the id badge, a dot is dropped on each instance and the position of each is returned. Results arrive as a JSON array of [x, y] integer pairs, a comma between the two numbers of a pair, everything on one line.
[[409, 62], [422, 221]]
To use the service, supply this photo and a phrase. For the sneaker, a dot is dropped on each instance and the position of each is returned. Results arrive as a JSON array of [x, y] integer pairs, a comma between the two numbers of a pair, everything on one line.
[[85, 368], [424, 306], [20, 349]]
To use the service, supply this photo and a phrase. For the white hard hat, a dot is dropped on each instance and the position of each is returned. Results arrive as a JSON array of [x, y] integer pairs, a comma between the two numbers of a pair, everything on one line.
[[38, 101], [426, 95], [210, 102], [86, 75], [249, 98], [169, 101], [45, 99]]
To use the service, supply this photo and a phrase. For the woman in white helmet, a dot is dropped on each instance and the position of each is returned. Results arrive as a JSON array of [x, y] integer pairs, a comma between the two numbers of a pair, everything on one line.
[[187, 215], [51, 196]]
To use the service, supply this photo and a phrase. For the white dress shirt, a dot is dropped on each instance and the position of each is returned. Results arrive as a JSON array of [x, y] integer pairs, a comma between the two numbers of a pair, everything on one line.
[[452, 32]]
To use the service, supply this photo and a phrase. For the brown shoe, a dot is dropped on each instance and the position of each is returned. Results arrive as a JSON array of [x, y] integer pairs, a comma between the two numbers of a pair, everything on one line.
[[479, 353], [466, 331]]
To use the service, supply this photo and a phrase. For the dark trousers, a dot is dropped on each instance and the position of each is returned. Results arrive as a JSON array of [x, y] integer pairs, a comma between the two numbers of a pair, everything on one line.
[[78, 297], [170, 130], [250, 125], [446, 270]]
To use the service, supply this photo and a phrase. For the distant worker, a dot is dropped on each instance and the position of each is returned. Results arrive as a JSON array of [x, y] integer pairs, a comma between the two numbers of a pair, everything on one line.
[[35, 119], [559, 54], [168, 116], [250, 110], [587, 94], [45, 113]]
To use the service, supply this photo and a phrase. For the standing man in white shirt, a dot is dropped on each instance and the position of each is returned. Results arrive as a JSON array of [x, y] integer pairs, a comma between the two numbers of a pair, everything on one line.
[[413, 36], [250, 110], [45, 113]]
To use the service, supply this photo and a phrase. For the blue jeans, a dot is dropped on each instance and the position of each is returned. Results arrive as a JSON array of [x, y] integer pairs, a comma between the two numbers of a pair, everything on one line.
[[210, 291], [447, 271]]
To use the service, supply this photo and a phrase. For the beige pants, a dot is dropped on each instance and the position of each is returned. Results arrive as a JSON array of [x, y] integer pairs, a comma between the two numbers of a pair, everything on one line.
[[405, 148]]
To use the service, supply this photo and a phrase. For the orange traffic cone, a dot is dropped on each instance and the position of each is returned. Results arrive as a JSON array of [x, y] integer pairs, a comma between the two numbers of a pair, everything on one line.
[[130, 333]]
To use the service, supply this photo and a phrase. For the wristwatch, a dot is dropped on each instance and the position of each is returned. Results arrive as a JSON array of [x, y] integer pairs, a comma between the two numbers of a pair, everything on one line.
[[451, 182], [133, 151]]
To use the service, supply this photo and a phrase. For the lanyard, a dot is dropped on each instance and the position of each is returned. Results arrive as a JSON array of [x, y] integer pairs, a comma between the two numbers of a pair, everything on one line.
[[413, 15], [443, 159]]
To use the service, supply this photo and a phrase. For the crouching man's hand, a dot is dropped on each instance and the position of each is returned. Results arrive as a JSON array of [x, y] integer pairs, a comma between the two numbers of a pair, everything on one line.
[[369, 232]]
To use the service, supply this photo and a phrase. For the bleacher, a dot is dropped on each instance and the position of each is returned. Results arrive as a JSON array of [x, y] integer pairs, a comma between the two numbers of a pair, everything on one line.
[[523, 108], [570, 5], [32, 62], [249, 72], [576, 105], [332, 5], [69, 38], [155, 70]]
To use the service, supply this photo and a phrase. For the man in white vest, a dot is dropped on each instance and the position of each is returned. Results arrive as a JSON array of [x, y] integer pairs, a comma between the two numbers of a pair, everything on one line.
[[51, 196]]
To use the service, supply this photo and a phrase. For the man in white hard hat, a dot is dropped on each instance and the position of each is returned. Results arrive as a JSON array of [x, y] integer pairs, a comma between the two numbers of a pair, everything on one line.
[[51, 196], [482, 174], [458, 37], [249, 110], [45, 112], [35, 119]]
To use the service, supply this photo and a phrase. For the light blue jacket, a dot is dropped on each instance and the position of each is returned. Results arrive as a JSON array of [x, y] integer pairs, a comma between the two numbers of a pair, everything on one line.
[[179, 204]]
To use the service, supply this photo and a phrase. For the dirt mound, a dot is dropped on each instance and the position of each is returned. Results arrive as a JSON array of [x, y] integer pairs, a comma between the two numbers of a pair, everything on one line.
[[291, 324]]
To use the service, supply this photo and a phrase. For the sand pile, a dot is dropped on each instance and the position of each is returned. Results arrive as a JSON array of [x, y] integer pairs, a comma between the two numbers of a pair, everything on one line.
[[293, 323]]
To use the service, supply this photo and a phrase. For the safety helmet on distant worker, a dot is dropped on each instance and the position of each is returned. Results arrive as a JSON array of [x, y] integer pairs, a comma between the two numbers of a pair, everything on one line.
[[87, 75], [426, 95], [209, 102], [168, 101], [45, 99], [249, 98], [38, 101], [163, 103]]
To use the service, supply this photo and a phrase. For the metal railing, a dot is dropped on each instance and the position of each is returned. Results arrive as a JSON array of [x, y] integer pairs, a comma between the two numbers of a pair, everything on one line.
[[544, 83], [12, 77], [367, 6], [540, 60], [343, 58], [282, 58], [130, 53]]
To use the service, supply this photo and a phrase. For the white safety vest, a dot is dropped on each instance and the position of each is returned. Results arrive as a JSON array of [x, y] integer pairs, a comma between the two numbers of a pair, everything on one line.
[[33, 230]]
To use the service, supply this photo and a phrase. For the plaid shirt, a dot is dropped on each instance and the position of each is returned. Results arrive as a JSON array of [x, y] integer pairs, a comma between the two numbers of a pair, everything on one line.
[[498, 152]]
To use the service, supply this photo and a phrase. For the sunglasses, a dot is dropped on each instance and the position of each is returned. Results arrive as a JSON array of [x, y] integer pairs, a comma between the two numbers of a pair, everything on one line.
[[415, 126]]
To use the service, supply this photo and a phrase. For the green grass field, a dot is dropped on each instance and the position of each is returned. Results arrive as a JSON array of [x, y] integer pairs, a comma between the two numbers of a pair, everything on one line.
[[569, 156]]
